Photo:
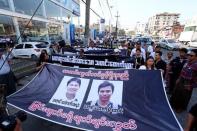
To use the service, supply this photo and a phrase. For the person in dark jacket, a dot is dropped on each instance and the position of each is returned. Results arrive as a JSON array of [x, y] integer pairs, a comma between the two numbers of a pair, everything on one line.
[[138, 59], [175, 67], [159, 63]]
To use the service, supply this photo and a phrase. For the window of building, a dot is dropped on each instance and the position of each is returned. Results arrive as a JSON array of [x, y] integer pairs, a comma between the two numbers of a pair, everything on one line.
[[28, 7], [7, 31], [35, 31], [55, 32], [52, 10], [4, 4]]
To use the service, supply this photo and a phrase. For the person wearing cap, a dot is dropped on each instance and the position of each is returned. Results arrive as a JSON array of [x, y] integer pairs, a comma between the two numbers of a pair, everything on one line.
[[138, 46], [185, 83]]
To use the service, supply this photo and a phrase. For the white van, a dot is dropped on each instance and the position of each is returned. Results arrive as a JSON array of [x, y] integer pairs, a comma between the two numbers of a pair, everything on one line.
[[189, 35]]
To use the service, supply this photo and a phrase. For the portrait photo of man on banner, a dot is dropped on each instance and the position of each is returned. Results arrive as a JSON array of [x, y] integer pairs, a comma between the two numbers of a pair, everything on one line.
[[107, 97], [70, 92]]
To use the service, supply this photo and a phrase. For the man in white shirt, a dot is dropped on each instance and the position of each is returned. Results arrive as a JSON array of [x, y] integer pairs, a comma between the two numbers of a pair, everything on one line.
[[151, 48], [138, 46]]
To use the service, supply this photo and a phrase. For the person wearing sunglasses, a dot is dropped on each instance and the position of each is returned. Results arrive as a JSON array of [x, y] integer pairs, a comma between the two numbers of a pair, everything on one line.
[[185, 83]]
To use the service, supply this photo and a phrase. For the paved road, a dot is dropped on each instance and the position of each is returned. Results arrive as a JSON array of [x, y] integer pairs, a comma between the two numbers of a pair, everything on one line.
[[33, 123]]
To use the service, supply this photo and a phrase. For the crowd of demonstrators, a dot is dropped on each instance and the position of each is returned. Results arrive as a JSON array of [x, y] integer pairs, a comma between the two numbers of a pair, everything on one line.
[[185, 83]]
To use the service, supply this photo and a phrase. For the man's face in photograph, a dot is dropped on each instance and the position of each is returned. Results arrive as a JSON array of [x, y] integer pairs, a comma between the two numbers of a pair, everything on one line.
[[73, 87], [105, 93]]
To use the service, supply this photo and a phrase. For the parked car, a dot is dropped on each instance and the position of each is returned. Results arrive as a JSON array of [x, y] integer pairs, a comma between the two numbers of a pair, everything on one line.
[[29, 50], [156, 39], [193, 44], [169, 44], [143, 40]]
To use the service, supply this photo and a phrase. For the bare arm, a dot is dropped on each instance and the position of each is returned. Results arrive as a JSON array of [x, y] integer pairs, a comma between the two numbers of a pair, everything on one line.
[[190, 121]]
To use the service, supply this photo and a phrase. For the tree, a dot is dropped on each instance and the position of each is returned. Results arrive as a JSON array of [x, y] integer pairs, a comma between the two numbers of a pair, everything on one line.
[[121, 32]]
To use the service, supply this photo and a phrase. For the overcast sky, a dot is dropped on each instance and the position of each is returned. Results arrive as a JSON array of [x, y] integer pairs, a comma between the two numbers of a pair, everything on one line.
[[132, 11]]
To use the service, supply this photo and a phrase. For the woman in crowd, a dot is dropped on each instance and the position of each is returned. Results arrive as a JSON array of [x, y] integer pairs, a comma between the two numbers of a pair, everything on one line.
[[149, 65], [185, 83], [44, 58]]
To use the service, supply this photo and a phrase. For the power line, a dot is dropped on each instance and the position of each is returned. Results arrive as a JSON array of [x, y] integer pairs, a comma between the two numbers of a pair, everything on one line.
[[109, 8], [101, 8], [92, 10]]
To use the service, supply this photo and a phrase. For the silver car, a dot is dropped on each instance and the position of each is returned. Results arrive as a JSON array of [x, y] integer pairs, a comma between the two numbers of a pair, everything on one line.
[[169, 44]]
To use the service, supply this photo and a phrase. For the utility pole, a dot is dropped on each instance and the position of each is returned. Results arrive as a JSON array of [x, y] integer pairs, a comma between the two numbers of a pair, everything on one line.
[[117, 24], [87, 22]]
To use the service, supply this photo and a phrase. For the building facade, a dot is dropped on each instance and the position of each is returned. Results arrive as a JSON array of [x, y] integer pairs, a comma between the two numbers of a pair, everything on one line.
[[160, 21], [50, 22], [141, 28]]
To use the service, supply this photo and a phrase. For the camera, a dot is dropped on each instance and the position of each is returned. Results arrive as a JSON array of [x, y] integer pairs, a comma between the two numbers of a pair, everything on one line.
[[8, 123]]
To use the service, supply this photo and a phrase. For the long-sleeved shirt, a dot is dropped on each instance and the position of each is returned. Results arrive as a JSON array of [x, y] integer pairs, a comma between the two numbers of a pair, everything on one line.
[[6, 67]]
